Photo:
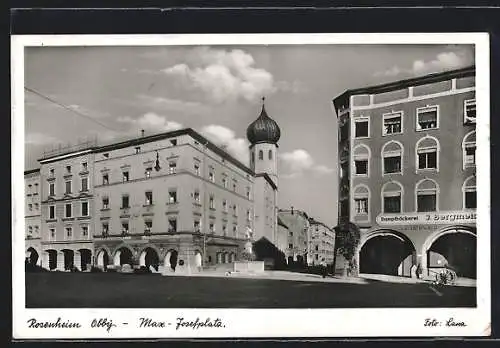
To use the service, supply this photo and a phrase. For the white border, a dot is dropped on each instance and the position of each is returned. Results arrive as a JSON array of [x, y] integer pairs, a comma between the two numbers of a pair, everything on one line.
[[265, 322]]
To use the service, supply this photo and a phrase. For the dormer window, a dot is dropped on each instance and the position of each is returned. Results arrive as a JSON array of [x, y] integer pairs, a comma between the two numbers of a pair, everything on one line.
[[137, 149], [84, 166], [125, 176], [105, 179], [470, 111]]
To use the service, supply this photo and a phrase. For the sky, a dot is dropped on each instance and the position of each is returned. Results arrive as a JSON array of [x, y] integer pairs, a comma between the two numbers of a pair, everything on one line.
[[111, 93]]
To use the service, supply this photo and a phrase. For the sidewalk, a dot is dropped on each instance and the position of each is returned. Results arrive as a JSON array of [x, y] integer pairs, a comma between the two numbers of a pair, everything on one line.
[[276, 275], [397, 279]]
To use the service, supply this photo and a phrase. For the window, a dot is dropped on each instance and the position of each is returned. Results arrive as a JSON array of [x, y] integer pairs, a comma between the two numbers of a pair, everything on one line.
[[29, 189], [249, 214], [393, 123], [392, 197], [51, 172], [172, 196], [68, 210], [290, 246], [125, 228], [470, 111], [148, 226], [172, 167], [37, 230], [261, 155], [427, 153], [52, 233], [52, 212], [105, 179], [125, 176], [196, 168], [68, 169], [85, 208], [224, 230], [469, 193], [426, 192], [125, 201], [85, 184], [196, 196], [36, 189], [270, 154], [52, 189], [392, 153], [173, 142], [30, 230], [224, 182], [469, 150], [211, 228], [196, 225], [172, 225], [248, 193], [235, 210], [428, 118], [30, 207], [211, 202], [85, 231], [37, 206], [234, 186], [211, 175], [137, 149], [69, 232], [105, 229], [148, 172], [252, 160], [84, 166], [149, 197], [105, 203], [235, 230], [224, 205], [361, 155], [68, 187], [361, 199], [291, 234], [362, 128]]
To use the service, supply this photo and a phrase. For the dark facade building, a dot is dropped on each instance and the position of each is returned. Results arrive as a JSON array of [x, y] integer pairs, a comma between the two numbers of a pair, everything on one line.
[[407, 173]]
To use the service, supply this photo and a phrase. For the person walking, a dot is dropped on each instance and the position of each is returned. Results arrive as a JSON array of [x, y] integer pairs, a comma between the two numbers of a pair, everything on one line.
[[324, 269]]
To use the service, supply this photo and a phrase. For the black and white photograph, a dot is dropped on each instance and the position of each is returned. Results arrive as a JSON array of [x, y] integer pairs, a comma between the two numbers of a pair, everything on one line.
[[332, 177]]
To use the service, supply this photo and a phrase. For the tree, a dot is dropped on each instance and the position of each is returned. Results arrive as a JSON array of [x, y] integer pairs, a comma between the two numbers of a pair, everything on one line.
[[347, 238]]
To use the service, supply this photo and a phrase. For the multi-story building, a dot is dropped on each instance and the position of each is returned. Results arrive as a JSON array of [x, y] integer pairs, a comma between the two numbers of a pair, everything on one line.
[[67, 209], [297, 248], [173, 200], [407, 173], [321, 243], [32, 216]]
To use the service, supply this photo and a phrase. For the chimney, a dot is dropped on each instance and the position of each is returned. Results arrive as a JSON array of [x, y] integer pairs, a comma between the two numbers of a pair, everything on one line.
[[292, 209], [142, 132]]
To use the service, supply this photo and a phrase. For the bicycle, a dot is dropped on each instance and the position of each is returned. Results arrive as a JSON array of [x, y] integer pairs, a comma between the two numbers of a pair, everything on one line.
[[445, 277]]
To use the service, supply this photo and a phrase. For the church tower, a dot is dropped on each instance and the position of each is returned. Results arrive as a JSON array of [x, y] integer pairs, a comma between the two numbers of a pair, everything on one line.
[[263, 135]]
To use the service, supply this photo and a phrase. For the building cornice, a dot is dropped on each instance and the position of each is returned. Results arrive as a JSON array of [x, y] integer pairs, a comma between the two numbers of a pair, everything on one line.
[[401, 84]]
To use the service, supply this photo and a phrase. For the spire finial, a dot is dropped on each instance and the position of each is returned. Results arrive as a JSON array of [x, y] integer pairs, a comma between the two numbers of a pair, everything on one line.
[[263, 100]]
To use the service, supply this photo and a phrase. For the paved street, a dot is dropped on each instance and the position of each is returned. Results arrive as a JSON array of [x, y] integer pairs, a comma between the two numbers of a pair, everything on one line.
[[114, 290]]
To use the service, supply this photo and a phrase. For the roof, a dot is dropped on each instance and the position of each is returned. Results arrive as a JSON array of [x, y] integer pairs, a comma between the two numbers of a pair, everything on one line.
[[281, 223], [400, 84], [31, 171], [165, 135], [264, 129]]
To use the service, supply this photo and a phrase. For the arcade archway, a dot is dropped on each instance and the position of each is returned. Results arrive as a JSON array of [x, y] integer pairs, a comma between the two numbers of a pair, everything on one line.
[[455, 249], [102, 258], [52, 262], [85, 259], [32, 256], [123, 256], [388, 253], [69, 258], [171, 259], [149, 257]]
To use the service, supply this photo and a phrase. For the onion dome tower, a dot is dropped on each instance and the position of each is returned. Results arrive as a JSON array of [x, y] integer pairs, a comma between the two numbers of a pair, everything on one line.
[[263, 135]]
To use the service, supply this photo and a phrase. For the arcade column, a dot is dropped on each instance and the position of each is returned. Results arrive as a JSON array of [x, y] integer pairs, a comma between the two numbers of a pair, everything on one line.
[[60, 261], [77, 260]]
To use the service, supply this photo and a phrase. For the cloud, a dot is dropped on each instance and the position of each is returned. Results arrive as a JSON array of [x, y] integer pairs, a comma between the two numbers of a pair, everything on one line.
[[226, 139], [176, 105], [152, 122], [443, 61], [88, 112], [40, 139], [300, 162], [223, 75]]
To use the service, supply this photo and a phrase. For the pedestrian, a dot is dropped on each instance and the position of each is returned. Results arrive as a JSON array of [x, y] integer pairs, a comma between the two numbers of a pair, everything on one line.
[[324, 269], [419, 270]]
